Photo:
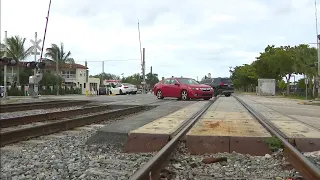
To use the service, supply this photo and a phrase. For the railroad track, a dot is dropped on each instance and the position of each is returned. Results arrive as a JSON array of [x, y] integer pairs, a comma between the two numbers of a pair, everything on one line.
[[153, 169], [26, 127], [38, 105]]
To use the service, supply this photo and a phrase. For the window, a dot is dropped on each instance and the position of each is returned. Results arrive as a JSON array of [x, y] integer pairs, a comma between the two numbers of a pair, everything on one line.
[[187, 81], [84, 85], [207, 81], [167, 81], [173, 81]]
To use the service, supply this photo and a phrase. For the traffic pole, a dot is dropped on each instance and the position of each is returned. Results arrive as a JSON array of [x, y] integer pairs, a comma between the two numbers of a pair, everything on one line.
[[5, 66], [143, 71]]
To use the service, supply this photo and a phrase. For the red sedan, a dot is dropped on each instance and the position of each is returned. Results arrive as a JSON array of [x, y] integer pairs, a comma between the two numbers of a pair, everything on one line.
[[182, 88]]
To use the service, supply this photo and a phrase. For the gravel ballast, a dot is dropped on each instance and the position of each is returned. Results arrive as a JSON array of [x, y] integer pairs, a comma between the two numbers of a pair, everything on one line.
[[36, 111], [34, 124], [65, 155], [228, 165]]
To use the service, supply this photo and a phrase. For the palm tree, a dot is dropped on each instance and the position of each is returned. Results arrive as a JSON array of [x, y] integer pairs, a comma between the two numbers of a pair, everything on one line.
[[15, 49], [60, 56], [2, 49]]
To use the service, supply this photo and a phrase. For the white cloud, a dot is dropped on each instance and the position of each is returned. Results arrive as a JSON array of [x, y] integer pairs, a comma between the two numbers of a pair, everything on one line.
[[182, 37]]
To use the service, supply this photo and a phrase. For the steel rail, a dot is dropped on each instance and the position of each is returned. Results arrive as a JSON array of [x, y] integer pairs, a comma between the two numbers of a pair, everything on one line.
[[152, 169], [8, 137], [42, 105], [302, 164], [28, 103], [9, 122]]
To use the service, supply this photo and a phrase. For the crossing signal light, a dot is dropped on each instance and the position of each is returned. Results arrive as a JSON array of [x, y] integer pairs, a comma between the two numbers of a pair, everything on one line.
[[41, 65], [33, 65], [8, 61]]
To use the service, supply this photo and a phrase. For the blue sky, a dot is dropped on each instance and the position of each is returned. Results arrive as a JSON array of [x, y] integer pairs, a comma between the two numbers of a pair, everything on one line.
[[182, 37]]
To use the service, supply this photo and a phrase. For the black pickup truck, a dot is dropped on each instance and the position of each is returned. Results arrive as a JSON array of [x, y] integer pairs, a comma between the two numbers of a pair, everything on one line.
[[223, 86]]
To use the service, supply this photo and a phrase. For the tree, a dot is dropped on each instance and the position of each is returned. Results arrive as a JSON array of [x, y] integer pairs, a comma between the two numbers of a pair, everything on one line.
[[107, 76], [59, 55], [244, 76], [2, 49], [276, 63], [152, 79], [282, 84], [133, 79], [16, 50]]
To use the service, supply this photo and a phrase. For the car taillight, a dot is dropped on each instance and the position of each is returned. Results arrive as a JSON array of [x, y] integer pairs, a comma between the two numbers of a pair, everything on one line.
[[125, 86], [222, 83]]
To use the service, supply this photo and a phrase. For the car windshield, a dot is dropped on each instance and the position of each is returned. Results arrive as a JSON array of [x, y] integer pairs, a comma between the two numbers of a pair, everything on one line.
[[187, 81], [207, 81], [226, 80]]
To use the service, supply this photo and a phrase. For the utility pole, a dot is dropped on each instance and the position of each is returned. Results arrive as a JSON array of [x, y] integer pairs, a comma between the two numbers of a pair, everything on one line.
[[317, 77], [230, 67], [58, 74], [151, 70], [5, 66], [143, 71]]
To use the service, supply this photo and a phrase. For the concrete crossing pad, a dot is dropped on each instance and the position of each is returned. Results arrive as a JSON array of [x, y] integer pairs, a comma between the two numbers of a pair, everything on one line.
[[226, 127], [154, 135], [303, 133]]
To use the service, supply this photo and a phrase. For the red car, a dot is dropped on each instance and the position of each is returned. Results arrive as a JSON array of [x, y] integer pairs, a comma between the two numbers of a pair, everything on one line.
[[182, 88]]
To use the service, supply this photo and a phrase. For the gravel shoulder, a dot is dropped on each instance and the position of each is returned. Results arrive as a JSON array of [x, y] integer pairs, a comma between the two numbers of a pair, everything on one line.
[[33, 124], [65, 155], [22, 100], [227, 165], [36, 111]]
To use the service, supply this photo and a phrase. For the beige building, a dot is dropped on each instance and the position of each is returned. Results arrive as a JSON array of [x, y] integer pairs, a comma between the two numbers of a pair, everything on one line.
[[73, 74]]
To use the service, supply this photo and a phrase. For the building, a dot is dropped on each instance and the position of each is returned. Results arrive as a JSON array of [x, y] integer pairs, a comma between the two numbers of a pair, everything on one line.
[[74, 75]]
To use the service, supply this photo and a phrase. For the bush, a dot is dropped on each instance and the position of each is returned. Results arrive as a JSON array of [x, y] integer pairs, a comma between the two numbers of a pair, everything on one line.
[[14, 91]]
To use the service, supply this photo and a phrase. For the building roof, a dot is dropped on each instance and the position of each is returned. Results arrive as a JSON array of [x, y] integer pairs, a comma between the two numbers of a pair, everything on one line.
[[53, 65]]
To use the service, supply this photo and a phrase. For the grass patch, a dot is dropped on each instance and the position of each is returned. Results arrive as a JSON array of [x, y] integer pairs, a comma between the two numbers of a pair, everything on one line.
[[9, 101], [274, 143]]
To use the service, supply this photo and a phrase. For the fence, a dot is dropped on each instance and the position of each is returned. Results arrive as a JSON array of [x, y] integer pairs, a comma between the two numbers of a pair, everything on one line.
[[43, 90]]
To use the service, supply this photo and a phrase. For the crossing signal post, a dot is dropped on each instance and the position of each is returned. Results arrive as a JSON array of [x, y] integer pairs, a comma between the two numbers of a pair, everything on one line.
[[7, 61], [35, 79]]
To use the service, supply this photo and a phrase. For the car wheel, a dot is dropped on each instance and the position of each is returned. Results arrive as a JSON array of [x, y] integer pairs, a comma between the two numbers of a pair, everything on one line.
[[227, 95], [120, 92], [184, 95], [159, 94], [134, 92], [206, 99]]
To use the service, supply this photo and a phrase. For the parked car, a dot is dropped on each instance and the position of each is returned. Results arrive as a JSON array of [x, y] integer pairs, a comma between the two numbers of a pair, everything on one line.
[[223, 86], [182, 88], [124, 88]]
